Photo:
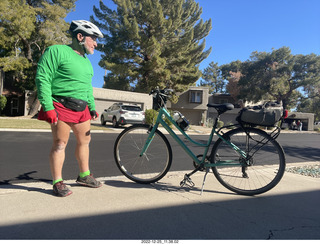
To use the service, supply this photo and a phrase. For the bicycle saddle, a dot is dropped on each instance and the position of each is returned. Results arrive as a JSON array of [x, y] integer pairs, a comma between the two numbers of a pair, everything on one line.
[[221, 108]]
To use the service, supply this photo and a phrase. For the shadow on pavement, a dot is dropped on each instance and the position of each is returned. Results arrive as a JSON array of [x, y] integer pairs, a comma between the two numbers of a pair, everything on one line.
[[288, 216]]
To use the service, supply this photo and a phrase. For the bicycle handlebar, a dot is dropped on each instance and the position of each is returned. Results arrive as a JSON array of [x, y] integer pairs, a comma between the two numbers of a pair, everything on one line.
[[164, 92], [160, 96]]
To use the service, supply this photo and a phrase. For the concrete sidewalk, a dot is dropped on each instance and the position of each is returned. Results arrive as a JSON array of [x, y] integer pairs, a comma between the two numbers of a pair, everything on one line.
[[121, 209]]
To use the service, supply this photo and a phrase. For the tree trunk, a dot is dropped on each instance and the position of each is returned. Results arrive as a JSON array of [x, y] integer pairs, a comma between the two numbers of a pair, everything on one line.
[[34, 106]]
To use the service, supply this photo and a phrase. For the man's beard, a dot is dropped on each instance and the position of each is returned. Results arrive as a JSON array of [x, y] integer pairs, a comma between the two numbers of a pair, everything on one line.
[[87, 50]]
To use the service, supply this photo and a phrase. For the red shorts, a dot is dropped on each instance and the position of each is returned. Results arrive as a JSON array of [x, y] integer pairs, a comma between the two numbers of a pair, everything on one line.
[[67, 115]]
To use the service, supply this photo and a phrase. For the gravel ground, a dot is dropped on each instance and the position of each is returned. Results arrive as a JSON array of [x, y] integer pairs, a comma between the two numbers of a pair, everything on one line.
[[307, 170]]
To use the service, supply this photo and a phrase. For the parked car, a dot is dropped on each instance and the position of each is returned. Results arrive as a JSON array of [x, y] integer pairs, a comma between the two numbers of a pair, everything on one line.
[[316, 125], [121, 114]]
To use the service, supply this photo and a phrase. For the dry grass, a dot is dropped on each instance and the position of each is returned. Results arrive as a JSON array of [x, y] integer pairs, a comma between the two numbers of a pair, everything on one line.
[[30, 123]]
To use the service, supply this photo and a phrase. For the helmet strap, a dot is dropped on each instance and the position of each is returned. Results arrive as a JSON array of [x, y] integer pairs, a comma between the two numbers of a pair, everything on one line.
[[81, 43]]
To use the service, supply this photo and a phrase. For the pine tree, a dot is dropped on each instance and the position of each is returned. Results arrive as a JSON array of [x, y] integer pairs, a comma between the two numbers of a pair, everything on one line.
[[212, 78], [152, 43]]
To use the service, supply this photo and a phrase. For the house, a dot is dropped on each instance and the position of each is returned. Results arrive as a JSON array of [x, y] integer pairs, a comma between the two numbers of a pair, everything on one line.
[[307, 120], [192, 104], [15, 98]]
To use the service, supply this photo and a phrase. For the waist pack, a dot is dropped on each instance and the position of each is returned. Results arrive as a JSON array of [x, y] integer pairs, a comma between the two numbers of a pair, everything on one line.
[[72, 103], [266, 115]]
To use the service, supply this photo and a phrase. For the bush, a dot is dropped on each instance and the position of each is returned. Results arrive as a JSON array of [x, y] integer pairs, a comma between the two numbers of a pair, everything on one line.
[[210, 122], [220, 124], [3, 102], [167, 120], [231, 126], [151, 117]]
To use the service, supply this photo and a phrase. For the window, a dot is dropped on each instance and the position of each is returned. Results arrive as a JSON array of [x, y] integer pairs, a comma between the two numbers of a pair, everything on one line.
[[115, 107], [195, 97], [131, 108]]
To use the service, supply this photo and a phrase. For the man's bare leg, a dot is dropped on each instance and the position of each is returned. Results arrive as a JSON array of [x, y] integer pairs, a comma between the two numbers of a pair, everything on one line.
[[83, 136], [60, 134]]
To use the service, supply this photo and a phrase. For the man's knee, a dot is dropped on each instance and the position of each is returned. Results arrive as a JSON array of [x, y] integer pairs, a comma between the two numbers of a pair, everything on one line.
[[84, 140], [59, 146], [83, 143]]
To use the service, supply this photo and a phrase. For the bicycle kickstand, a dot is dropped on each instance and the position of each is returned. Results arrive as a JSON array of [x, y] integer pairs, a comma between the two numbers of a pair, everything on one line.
[[204, 179]]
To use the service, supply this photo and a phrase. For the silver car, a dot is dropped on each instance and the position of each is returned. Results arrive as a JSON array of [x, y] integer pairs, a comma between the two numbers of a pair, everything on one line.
[[121, 114]]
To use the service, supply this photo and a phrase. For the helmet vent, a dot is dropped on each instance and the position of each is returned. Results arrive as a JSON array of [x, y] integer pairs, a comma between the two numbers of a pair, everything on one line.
[[87, 26]]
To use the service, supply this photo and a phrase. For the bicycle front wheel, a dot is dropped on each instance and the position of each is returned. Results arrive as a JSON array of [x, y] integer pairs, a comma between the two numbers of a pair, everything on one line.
[[260, 171], [152, 165]]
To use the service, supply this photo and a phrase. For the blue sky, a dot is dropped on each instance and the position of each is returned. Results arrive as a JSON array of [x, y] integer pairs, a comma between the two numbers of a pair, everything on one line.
[[240, 27]]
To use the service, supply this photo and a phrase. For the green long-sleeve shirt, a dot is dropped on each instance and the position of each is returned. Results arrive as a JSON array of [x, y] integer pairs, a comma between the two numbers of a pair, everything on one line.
[[63, 72]]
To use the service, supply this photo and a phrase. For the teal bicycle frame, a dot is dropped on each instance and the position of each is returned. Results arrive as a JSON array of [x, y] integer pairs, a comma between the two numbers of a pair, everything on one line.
[[163, 112]]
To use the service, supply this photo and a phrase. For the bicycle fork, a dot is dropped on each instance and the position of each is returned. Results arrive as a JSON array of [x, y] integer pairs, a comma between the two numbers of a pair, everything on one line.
[[151, 133]]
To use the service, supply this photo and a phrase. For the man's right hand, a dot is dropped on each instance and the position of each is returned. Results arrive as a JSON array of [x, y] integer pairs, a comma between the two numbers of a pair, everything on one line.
[[51, 116]]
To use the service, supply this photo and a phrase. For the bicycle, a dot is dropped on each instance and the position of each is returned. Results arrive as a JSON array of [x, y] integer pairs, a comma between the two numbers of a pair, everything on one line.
[[245, 160]]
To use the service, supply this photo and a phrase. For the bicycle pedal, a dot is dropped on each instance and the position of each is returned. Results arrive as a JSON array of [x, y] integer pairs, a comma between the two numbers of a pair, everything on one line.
[[187, 182]]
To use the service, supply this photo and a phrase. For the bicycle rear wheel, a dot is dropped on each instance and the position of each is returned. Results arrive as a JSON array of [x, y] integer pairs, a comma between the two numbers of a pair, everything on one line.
[[259, 172], [152, 165]]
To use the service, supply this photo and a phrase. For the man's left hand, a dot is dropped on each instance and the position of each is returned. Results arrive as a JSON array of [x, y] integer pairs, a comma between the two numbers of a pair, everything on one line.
[[94, 115]]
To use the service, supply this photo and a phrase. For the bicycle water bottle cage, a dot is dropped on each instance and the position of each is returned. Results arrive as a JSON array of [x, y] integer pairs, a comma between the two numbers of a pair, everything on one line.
[[221, 108]]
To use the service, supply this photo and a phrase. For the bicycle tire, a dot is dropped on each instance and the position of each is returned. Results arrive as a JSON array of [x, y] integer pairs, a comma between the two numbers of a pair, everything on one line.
[[153, 165], [267, 162]]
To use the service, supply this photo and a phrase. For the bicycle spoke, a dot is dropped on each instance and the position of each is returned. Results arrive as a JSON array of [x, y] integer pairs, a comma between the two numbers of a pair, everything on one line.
[[260, 173], [152, 165]]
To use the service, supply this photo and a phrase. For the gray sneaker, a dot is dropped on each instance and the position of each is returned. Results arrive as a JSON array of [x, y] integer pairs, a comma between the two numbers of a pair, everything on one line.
[[88, 180], [61, 190]]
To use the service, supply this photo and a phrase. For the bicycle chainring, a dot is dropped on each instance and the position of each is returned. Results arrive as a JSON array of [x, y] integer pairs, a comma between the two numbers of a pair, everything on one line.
[[202, 168]]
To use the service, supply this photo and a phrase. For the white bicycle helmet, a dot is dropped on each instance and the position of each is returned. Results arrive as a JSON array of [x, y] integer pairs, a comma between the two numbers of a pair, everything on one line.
[[85, 27]]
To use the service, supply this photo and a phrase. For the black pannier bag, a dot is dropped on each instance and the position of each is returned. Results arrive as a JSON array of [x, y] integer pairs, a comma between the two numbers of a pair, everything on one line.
[[266, 115]]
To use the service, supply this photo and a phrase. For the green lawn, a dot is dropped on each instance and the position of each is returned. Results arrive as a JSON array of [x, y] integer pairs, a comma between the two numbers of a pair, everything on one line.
[[29, 123]]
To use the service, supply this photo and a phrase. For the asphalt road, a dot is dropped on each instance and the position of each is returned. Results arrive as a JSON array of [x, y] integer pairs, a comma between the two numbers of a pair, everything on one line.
[[24, 155]]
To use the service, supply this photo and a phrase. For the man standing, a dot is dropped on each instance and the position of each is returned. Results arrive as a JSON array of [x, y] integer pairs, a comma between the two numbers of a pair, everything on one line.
[[299, 124], [63, 80]]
